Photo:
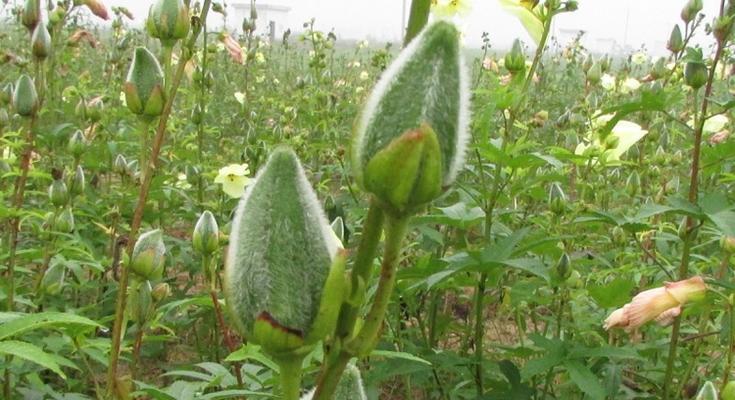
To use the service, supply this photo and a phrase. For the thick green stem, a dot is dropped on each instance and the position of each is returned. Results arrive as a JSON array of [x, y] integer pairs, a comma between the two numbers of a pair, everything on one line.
[[290, 375], [148, 172], [362, 344], [693, 197], [417, 19], [362, 269]]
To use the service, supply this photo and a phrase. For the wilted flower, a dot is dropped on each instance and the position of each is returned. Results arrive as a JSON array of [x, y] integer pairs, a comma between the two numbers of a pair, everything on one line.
[[489, 65], [233, 48], [719, 137], [98, 8], [607, 82], [233, 179], [662, 304], [81, 35]]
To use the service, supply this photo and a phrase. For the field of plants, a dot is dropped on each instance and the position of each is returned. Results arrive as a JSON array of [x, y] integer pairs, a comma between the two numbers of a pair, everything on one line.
[[189, 213]]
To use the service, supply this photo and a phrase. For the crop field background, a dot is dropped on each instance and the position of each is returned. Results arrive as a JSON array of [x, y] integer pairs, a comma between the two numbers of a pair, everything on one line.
[[195, 212]]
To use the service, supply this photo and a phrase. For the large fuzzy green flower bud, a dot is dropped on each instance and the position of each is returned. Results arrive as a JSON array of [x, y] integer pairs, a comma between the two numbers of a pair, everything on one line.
[[149, 255], [284, 276], [411, 136], [25, 98], [168, 20], [31, 14], [143, 86], [41, 42], [206, 234], [64, 222], [53, 279]]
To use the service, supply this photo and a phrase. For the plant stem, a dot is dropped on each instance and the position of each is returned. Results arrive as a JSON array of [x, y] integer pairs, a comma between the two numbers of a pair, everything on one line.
[[690, 222], [290, 375], [363, 343], [149, 170], [362, 269]]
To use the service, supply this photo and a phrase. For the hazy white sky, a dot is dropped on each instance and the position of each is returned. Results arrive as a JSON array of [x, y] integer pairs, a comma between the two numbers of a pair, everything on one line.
[[610, 24]]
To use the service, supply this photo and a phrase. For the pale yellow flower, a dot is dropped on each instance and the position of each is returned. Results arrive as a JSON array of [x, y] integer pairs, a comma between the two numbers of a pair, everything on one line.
[[528, 17], [364, 75], [259, 58], [607, 82], [233, 179], [639, 58], [630, 85], [450, 8]]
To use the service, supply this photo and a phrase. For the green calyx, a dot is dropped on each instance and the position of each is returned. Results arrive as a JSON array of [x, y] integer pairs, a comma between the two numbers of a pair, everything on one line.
[[515, 60], [25, 98], [206, 234], [31, 14], [284, 276], [407, 173], [143, 86], [149, 255], [41, 42], [168, 20], [425, 85]]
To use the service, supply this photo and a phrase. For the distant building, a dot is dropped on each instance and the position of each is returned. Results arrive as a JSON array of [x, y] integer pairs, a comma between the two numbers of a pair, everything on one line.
[[272, 17]]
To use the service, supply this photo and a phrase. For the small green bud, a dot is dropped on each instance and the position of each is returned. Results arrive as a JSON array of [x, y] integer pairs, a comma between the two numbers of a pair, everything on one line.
[[676, 41], [633, 183], [95, 108], [196, 115], [58, 193], [587, 63], [690, 10], [77, 145], [168, 20], [606, 63], [205, 239], [659, 69], [594, 74], [53, 279], [77, 182], [722, 27], [284, 276], [31, 14], [708, 392], [161, 291], [6, 94], [618, 236], [684, 231], [563, 267], [515, 60], [695, 74], [141, 306], [40, 42], [727, 244], [81, 109], [143, 86], [149, 255], [411, 136], [4, 118], [25, 99], [64, 221], [557, 199], [120, 166]]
